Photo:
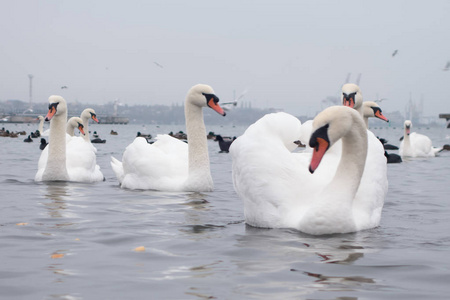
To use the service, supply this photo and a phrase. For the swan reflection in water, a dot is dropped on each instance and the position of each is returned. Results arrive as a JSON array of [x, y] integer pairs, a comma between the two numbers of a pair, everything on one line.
[[58, 193]]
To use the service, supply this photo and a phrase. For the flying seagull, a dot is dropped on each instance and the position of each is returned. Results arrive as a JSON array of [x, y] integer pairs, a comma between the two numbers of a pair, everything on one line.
[[158, 65], [230, 105], [64, 87], [395, 53], [447, 66]]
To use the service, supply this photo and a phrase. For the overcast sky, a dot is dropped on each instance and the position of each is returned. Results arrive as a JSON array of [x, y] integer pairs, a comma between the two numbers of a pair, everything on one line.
[[287, 54]]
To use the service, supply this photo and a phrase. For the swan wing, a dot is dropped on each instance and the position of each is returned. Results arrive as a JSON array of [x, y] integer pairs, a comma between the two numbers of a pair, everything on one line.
[[162, 165]]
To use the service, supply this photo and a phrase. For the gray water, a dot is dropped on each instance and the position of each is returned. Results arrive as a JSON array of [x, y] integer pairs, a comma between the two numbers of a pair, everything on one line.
[[77, 241]]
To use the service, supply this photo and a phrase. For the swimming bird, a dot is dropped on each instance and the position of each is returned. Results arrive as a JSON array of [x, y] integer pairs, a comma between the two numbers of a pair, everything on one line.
[[392, 158], [54, 168], [28, 139], [74, 122], [415, 144], [278, 190], [224, 145], [66, 158], [86, 115], [43, 144], [170, 164], [372, 110]]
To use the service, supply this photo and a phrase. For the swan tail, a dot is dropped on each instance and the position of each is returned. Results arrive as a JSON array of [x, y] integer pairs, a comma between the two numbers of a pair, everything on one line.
[[117, 168]]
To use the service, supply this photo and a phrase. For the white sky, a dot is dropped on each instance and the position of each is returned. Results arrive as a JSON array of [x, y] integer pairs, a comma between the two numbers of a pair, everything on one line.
[[288, 54]]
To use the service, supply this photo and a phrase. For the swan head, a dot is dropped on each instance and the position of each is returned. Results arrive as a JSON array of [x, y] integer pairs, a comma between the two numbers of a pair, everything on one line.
[[202, 95], [89, 113], [408, 126], [351, 96], [76, 122], [328, 127], [57, 106], [373, 110]]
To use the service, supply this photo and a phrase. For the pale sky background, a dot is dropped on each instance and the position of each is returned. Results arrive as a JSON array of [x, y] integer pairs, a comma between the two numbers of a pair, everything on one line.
[[288, 54]]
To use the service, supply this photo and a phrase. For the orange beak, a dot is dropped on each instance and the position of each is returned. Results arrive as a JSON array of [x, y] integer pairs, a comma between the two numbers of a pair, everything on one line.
[[318, 153], [216, 107], [94, 117], [380, 115], [51, 113], [350, 102], [80, 128]]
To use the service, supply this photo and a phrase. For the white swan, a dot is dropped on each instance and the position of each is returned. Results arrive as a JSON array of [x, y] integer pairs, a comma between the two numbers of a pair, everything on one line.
[[170, 164], [74, 122], [54, 168], [372, 110], [86, 115], [41, 124], [279, 192], [352, 97], [415, 144], [79, 156]]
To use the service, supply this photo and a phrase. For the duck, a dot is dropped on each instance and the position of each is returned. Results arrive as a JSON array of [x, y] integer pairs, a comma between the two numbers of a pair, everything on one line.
[[28, 139], [316, 193], [224, 145], [67, 157], [43, 144], [113, 132], [170, 164], [392, 158], [415, 144]]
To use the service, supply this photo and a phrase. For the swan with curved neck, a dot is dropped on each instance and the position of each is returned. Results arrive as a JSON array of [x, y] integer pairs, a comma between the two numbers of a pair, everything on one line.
[[86, 115], [278, 190], [170, 164], [372, 110], [55, 167], [74, 122]]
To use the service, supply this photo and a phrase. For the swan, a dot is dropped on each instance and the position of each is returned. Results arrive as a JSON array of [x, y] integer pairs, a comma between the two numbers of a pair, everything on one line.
[[54, 168], [372, 110], [74, 122], [352, 97], [170, 164], [79, 156], [41, 124], [415, 144], [86, 115], [277, 189]]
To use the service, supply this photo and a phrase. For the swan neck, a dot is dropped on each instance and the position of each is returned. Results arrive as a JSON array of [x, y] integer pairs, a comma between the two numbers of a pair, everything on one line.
[[366, 121], [197, 142], [56, 162], [87, 135], [41, 126], [353, 158], [70, 129]]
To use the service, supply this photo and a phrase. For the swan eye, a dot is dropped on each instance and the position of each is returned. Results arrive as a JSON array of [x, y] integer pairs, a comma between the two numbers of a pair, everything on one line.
[[53, 105], [320, 133], [211, 96]]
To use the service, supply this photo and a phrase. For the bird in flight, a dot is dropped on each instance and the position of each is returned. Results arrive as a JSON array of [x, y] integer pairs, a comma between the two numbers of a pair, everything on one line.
[[158, 65], [447, 66], [64, 87], [394, 53]]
